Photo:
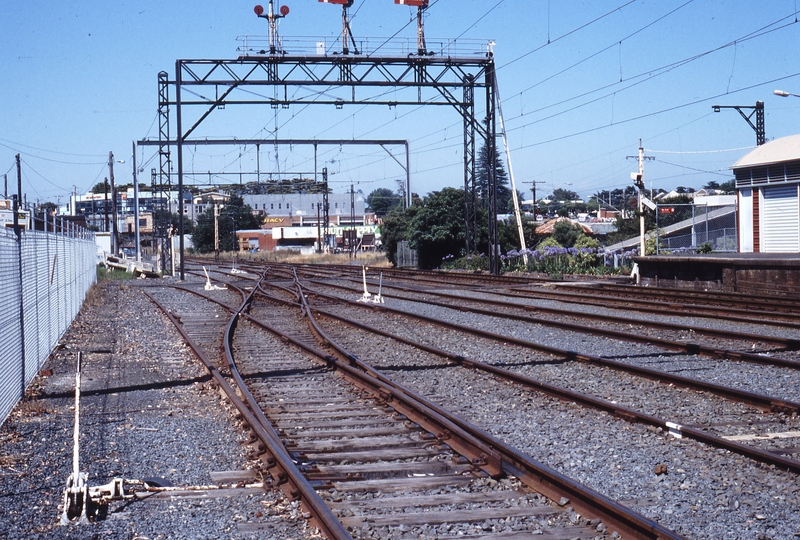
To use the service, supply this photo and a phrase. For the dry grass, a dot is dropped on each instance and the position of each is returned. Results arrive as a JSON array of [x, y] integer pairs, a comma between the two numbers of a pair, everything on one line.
[[374, 259]]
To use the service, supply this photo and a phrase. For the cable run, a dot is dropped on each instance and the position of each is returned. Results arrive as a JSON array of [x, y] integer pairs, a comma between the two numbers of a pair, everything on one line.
[[565, 35], [615, 44], [668, 109]]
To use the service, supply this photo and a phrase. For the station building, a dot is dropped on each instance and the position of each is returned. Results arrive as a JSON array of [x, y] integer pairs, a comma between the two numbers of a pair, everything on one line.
[[767, 183]]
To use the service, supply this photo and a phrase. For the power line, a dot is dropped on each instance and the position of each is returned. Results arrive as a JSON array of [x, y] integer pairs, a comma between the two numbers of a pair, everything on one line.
[[669, 109], [49, 151], [574, 30], [616, 43], [649, 74]]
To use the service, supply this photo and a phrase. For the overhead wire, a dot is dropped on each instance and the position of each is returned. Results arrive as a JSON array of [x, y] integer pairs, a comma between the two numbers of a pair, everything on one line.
[[655, 113], [616, 43], [648, 75], [559, 38]]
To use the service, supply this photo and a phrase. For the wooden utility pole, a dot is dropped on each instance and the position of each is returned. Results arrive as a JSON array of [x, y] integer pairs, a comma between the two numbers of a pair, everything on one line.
[[19, 180], [533, 191], [114, 240], [638, 181], [105, 204]]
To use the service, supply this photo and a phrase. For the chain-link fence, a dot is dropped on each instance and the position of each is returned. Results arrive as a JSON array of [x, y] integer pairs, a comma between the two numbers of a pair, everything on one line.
[[686, 227], [44, 277]]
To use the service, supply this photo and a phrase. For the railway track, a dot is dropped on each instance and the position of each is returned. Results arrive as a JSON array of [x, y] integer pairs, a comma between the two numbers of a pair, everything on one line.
[[456, 477], [555, 384], [780, 311], [716, 436]]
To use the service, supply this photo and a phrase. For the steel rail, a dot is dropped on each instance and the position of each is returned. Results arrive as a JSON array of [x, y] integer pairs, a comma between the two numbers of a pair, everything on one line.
[[733, 314], [282, 468], [640, 306], [534, 474], [480, 455], [689, 348], [626, 413], [757, 400], [786, 343], [718, 297], [729, 314]]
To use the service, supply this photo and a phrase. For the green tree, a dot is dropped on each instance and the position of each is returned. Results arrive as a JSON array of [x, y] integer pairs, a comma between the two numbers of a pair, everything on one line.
[[565, 195], [728, 186], [482, 181], [566, 233], [382, 201], [48, 208], [437, 228], [395, 229], [508, 233], [234, 216], [101, 187]]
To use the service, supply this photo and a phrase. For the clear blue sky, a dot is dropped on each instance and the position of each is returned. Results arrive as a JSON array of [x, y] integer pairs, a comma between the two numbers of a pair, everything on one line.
[[581, 83]]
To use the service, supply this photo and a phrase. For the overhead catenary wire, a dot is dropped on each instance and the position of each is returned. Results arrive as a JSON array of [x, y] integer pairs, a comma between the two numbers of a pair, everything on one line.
[[647, 74], [662, 111]]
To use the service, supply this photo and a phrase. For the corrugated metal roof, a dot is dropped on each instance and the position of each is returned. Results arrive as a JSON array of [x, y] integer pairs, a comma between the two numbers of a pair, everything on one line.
[[775, 151]]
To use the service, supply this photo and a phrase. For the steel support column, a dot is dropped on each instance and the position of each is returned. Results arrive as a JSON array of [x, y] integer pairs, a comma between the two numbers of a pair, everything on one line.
[[491, 172], [162, 190], [470, 202]]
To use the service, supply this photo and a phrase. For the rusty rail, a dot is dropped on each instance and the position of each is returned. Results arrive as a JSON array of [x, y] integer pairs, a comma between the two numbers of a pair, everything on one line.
[[280, 464]]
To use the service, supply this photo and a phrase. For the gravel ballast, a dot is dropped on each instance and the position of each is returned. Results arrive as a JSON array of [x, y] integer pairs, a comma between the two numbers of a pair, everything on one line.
[[147, 410]]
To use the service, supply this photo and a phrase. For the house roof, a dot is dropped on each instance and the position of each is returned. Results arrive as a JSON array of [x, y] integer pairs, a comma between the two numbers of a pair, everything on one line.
[[775, 151], [548, 226]]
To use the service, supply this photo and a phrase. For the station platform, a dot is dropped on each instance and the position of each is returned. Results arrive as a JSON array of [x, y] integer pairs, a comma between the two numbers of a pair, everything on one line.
[[753, 273]]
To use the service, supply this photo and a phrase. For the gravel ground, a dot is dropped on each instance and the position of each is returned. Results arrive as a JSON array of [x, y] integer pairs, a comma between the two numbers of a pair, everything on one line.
[[147, 411], [783, 383], [705, 493]]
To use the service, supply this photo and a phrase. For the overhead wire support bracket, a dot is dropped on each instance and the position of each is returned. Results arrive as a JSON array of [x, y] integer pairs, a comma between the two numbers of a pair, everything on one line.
[[757, 110]]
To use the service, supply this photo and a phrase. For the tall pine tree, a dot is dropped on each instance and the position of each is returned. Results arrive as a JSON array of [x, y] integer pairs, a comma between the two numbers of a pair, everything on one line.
[[482, 181]]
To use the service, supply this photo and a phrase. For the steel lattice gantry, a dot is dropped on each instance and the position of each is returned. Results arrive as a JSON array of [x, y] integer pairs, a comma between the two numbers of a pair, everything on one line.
[[203, 86]]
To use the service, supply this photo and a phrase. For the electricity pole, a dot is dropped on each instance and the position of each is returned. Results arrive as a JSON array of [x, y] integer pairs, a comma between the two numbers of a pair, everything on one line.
[[114, 246], [533, 191], [638, 180], [216, 232]]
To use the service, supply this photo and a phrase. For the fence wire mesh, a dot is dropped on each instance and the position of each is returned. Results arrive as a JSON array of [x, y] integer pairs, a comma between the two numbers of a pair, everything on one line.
[[686, 227], [44, 277]]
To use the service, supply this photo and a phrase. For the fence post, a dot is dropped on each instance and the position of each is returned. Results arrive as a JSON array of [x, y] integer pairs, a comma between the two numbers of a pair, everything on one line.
[[18, 233]]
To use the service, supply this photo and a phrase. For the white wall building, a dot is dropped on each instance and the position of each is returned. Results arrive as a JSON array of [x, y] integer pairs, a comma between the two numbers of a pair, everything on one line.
[[767, 184]]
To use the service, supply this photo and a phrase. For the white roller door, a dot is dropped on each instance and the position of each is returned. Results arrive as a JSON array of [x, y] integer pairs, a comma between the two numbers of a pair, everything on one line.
[[780, 220]]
